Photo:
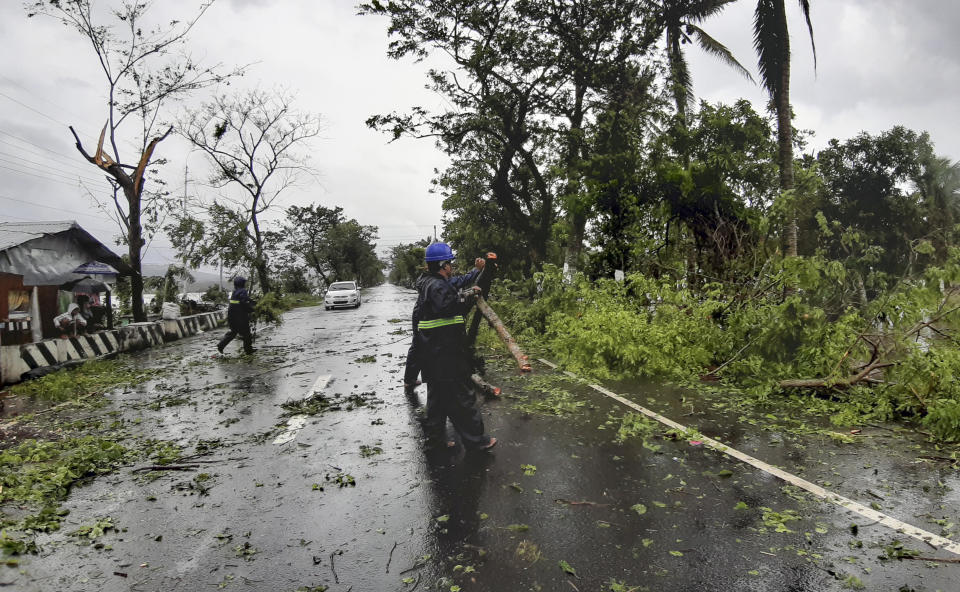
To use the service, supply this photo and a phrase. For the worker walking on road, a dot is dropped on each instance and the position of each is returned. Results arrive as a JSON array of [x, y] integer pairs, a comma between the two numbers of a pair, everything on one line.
[[413, 365], [443, 352], [238, 317]]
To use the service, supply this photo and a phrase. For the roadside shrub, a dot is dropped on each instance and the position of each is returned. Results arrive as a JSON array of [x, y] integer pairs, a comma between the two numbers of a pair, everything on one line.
[[924, 383], [638, 329]]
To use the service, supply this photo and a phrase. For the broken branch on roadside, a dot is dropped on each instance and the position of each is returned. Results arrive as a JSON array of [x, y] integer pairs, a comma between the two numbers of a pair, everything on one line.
[[191, 467]]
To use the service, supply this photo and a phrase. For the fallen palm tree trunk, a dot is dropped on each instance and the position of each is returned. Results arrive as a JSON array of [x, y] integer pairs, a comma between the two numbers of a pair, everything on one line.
[[487, 388], [505, 336]]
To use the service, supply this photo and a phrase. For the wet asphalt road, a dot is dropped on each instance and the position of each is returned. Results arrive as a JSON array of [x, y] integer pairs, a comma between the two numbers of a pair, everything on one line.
[[265, 511]]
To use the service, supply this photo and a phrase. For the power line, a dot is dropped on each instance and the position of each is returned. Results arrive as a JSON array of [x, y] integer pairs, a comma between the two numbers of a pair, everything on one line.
[[49, 207], [42, 174], [44, 167], [38, 176], [15, 137], [26, 106], [49, 156], [38, 97]]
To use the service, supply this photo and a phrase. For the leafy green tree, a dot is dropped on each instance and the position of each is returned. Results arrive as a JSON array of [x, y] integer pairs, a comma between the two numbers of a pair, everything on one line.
[[529, 84], [939, 190], [406, 263], [888, 195], [349, 251], [771, 39], [723, 194], [215, 294], [306, 229]]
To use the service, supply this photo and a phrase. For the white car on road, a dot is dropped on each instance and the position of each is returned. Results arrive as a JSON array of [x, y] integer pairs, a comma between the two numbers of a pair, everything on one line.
[[343, 295]]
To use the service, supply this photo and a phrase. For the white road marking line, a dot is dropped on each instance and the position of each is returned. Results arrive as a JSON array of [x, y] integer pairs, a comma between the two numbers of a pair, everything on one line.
[[319, 385], [869, 513], [294, 425], [297, 422]]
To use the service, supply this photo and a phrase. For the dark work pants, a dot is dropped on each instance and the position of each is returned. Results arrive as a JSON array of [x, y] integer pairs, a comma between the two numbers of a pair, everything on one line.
[[453, 398], [243, 333], [412, 369]]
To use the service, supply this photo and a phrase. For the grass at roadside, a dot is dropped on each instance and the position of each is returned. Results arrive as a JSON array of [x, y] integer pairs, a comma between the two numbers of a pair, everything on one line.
[[94, 377], [44, 455]]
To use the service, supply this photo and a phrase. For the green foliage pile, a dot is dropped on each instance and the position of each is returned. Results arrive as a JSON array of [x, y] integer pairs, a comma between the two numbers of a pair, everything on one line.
[[43, 472], [216, 295], [92, 377], [753, 337], [270, 307]]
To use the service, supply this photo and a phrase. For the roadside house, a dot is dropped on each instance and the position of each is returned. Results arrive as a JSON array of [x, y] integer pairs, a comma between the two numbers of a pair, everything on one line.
[[40, 263]]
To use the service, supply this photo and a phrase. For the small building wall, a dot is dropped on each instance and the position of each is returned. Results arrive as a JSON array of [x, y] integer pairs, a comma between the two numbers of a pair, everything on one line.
[[15, 360], [16, 331], [48, 298]]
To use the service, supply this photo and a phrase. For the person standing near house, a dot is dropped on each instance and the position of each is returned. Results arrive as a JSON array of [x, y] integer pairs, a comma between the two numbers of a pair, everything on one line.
[[412, 368], [443, 353], [71, 322], [238, 317]]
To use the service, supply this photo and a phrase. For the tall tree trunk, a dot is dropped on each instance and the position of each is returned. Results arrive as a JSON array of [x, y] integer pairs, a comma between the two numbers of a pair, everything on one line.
[[134, 251], [578, 225], [260, 263], [571, 198], [261, 267], [785, 130]]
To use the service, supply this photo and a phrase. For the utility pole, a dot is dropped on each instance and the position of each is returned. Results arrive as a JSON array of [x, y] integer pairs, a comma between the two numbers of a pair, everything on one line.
[[185, 165]]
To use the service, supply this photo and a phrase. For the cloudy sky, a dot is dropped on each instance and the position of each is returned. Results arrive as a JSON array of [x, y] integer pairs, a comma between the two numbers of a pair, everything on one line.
[[880, 63]]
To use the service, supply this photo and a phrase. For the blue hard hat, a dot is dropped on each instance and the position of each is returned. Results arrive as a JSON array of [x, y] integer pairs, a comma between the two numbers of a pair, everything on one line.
[[438, 252], [239, 281]]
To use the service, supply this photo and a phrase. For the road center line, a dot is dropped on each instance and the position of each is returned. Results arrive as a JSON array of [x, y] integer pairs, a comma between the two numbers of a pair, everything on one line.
[[847, 503], [319, 385], [294, 425], [298, 422]]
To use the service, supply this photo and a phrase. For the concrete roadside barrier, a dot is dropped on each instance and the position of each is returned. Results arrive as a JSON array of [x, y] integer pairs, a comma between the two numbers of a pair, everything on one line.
[[17, 360]]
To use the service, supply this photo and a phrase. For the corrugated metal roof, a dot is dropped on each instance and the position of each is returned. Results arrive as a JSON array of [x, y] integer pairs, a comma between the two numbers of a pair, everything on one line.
[[17, 233], [50, 266]]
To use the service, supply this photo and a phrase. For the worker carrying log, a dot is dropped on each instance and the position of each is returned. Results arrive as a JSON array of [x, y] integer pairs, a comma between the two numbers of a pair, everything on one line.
[[413, 365], [444, 354]]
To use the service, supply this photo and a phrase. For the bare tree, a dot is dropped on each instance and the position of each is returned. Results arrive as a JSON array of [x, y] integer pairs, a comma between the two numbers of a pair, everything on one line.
[[144, 67], [253, 140]]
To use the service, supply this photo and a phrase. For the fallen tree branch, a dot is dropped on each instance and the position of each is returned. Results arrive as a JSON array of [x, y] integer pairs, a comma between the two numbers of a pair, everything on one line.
[[165, 468], [937, 559], [390, 558], [839, 383], [505, 336], [484, 386]]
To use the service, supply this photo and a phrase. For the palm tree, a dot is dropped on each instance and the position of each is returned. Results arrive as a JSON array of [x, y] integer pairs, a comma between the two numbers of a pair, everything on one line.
[[771, 39], [679, 20], [939, 189]]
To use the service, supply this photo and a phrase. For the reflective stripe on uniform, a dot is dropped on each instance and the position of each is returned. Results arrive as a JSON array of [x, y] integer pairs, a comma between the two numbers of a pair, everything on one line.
[[234, 302], [434, 323]]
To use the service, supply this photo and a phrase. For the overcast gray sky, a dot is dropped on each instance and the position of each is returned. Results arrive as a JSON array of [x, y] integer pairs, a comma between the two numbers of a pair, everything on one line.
[[880, 63]]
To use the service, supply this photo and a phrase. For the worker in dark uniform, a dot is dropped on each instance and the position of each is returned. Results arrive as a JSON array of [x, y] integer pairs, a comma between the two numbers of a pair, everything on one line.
[[238, 317], [412, 369], [443, 353]]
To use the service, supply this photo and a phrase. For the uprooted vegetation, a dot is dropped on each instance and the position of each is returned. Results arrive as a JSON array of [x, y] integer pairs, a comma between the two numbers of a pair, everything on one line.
[[45, 455], [318, 404], [787, 336]]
